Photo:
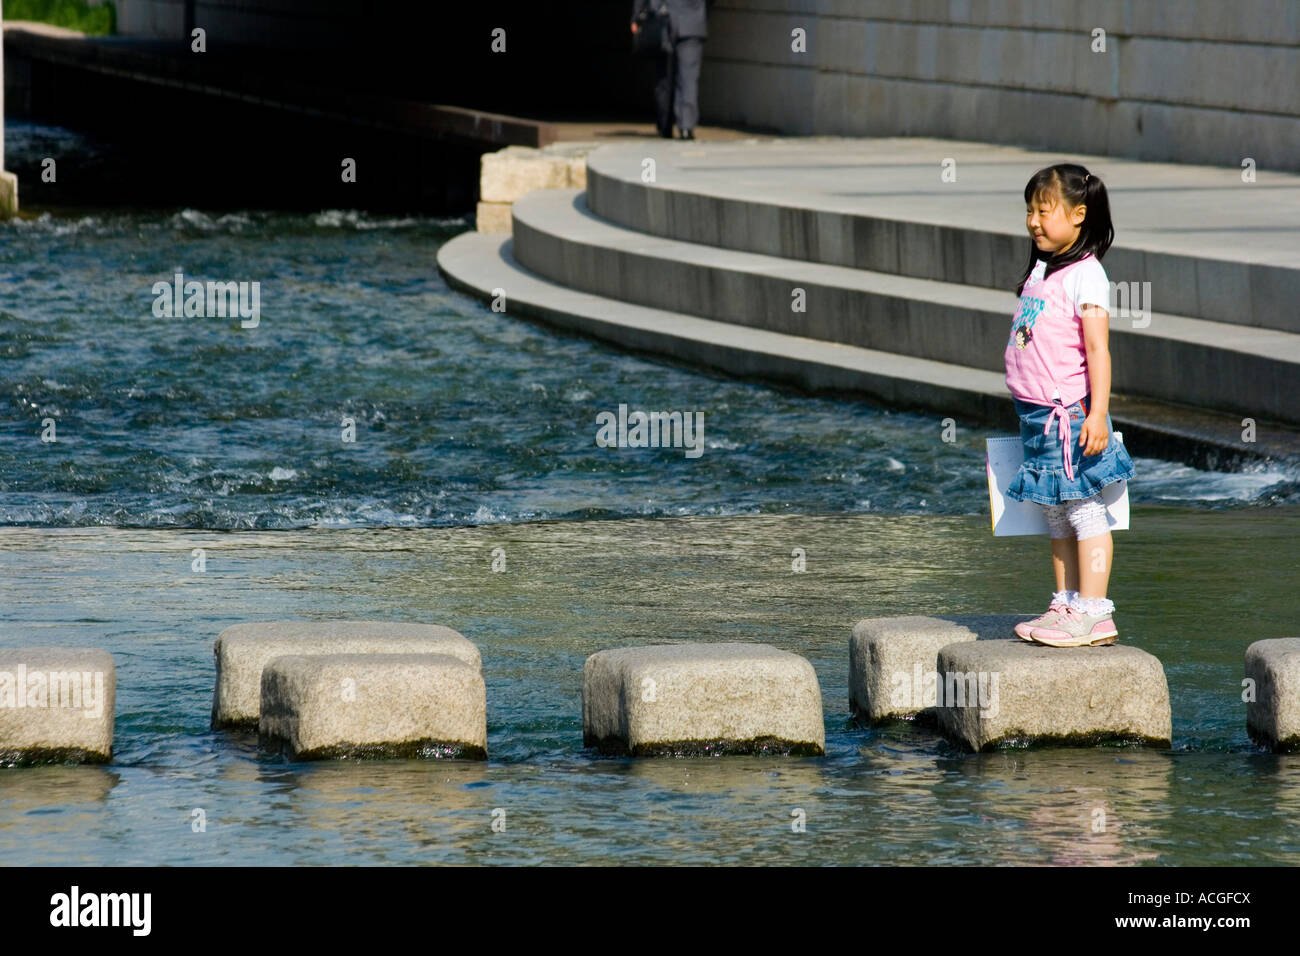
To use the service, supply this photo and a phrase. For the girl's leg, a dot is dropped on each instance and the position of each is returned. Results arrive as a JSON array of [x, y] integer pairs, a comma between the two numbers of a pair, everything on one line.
[[1095, 546], [1065, 563], [1065, 550], [1094, 558]]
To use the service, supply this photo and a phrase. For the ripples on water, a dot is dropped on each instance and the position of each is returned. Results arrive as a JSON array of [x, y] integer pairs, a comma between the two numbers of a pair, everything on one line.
[[462, 415]]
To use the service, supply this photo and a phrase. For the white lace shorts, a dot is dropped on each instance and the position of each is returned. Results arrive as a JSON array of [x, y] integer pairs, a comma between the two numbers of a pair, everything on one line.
[[1081, 519]]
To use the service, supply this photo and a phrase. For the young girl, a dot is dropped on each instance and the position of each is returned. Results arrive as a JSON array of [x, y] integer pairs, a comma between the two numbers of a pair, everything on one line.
[[1058, 372]]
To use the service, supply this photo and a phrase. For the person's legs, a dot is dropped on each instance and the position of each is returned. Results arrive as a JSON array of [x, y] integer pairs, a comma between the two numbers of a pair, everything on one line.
[[690, 54], [1062, 535], [1089, 619], [665, 78]]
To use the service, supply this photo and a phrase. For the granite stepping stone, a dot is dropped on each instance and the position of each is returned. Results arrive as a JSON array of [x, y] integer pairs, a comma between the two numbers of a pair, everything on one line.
[[337, 706], [683, 699], [893, 661], [1012, 693], [56, 705], [242, 651], [1273, 717]]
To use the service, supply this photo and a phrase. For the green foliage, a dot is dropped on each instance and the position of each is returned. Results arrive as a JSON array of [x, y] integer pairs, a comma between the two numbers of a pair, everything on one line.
[[96, 20]]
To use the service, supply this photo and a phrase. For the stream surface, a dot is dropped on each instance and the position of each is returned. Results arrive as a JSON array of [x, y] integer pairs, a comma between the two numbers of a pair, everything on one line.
[[472, 431]]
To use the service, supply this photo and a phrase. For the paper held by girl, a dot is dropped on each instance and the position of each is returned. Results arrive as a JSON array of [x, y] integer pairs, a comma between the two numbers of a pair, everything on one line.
[[1011, 517]]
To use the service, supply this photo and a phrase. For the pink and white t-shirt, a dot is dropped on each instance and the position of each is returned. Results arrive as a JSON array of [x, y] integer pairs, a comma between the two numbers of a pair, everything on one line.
[[1046, 357]]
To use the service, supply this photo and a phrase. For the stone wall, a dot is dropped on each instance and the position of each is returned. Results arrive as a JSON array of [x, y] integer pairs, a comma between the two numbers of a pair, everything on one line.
[[1194, 80]]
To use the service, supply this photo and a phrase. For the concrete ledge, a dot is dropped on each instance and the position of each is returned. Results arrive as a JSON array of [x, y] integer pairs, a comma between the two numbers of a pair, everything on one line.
[[699, 699], [1273, 718], [333, 706], [893, 661], [1011, 693], [242, 651], [56, 705]]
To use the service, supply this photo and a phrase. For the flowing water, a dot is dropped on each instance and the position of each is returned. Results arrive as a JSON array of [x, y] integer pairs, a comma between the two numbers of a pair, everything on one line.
[[473, 431]]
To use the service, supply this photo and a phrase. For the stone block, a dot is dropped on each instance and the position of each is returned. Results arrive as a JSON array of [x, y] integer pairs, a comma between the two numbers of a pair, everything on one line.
[[701, 699], [509, 173], [578, 172], [892, 660], [242, 651], [1273, 717], [335, 706], [56, 705], [494, 217], [1012, 693]]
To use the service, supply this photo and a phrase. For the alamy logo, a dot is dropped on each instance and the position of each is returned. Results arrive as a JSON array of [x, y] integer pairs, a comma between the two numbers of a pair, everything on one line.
[[1131, 300], [922, 688], [214, 300], [651, 430], [102, 909], [78, 690]]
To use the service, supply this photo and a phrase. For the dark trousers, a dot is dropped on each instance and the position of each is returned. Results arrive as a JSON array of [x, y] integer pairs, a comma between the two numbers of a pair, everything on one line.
[[677, 85]]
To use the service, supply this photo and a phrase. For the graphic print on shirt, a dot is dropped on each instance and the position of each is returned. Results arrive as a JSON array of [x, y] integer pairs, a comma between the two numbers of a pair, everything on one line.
[[1022, 328]]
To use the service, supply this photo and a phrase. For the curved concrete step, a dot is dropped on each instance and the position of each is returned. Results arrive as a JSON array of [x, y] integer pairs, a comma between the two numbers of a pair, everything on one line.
[[1211, 246], [484, 266], [1212, 365]]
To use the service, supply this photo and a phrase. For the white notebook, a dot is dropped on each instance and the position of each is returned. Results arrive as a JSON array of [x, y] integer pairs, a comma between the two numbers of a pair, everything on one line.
[[1011, 517]]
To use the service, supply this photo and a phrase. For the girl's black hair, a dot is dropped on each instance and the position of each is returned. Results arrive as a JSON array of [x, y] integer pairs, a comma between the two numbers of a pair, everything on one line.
[[1077, 186]]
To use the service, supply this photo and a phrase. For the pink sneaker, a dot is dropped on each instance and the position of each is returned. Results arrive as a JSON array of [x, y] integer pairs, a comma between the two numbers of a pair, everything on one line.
[[1054, 611], [1077, 629]]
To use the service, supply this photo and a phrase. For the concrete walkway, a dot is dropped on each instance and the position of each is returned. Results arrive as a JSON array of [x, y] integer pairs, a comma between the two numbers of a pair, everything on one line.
[[622, 131]]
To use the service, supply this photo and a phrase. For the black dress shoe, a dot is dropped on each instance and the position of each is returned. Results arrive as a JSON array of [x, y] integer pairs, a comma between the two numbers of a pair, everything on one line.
[[688, 134]]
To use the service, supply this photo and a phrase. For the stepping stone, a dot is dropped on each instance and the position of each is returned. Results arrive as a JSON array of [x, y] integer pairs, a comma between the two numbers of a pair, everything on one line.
[[56, 705], [242, 651], [1011, 693], [332, 706], [1273, 717], [685, 699], [893, 660]]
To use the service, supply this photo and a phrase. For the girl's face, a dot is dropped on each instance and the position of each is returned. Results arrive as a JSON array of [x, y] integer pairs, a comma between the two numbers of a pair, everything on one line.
[[1052, 224]]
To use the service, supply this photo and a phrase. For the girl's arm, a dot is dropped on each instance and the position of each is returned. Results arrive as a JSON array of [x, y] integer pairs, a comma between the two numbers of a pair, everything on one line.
[[1096, 332]]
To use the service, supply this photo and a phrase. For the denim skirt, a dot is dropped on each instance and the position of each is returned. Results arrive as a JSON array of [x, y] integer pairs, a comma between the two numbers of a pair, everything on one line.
[[1042, 473]]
